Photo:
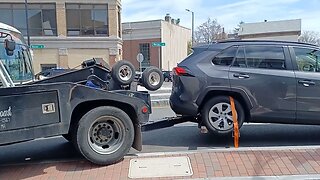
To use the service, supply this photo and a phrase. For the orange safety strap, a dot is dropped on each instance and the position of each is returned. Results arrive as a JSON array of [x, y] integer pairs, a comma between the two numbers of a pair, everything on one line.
[[235, 123]]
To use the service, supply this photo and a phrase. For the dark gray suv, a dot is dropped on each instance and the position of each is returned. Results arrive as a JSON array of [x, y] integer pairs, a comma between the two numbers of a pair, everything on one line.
[[271, 82]]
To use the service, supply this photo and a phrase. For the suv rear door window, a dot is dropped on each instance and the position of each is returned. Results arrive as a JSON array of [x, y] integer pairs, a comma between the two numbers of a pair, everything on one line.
[[226, 57], [307, 59], [266, 57]]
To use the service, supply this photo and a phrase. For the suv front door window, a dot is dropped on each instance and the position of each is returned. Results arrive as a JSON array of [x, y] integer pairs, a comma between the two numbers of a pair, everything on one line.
[[308, 83]]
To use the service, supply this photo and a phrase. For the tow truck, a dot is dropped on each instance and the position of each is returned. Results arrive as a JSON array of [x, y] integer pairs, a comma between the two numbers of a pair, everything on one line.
[[97, 108]]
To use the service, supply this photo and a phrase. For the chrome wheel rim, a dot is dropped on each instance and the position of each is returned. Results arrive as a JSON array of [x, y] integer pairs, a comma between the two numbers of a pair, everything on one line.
[[106, 135], [154, 78], [220, 116], [125, 73]]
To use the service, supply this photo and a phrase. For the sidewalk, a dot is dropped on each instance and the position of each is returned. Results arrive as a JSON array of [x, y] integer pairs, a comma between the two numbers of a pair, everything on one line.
[[215, 164]]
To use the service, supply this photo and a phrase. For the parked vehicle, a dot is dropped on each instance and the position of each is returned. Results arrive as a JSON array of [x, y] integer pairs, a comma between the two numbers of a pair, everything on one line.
[[167, 75], [271, 82], [96, 108]]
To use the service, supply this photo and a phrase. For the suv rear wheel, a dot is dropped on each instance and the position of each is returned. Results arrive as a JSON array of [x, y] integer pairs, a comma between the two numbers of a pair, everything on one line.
[[217, 116]]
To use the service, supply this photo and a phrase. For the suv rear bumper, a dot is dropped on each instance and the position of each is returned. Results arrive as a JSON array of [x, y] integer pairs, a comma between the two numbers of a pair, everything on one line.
[[181, 107]]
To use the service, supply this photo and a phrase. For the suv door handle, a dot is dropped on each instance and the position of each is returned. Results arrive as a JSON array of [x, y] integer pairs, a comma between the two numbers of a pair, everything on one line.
[[241, 76], [306, 83]]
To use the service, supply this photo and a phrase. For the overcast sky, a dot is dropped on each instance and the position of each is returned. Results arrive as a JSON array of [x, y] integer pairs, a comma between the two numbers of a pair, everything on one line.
[[228, 12]]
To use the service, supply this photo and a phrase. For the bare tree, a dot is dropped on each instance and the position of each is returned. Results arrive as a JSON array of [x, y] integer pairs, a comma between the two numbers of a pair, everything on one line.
[[236, 29], [311, 37], [209, 31]]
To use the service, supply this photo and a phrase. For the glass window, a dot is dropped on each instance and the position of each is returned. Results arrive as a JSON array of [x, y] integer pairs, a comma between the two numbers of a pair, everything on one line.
[[307, 59], [267, 57], [225, 58], [145, 51], [6, 16], [87, 20], [240, 60], [41, 18]]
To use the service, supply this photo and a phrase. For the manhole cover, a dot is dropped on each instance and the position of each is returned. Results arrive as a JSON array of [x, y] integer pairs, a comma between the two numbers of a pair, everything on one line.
[[160, 167]]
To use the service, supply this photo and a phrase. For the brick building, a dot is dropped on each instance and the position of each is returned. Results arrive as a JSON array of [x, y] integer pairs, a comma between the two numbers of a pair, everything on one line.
[[146, 36], [67, 31]]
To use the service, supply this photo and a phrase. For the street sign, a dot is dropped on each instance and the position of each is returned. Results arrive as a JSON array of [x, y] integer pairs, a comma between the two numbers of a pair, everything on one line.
[[37, 46], [158, 44], [140, 57]]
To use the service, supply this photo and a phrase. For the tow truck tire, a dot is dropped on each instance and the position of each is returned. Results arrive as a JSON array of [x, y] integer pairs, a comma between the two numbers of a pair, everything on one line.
[[104, 135], [123, 72], [152, 78]]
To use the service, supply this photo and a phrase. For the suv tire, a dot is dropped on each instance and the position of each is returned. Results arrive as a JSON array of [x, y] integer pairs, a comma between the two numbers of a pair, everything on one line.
[[217, 116]]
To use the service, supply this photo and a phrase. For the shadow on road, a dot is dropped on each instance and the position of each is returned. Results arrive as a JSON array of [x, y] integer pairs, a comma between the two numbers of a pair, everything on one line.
[[251, 135]]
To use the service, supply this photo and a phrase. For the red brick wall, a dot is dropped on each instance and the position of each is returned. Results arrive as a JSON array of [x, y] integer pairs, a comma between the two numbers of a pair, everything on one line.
[[130, 50]]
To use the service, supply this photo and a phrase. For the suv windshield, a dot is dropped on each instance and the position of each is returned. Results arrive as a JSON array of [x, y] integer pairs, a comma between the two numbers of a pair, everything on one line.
[[19, 64]]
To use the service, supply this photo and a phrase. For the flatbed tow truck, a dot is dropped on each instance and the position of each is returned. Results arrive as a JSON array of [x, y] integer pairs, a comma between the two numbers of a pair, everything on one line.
[[96, 108]]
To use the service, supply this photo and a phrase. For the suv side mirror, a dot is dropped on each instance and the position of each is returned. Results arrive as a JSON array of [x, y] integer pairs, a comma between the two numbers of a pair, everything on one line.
[[10, 46]]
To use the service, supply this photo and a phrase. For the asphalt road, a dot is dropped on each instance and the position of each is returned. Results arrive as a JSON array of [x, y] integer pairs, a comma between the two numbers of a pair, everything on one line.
[[182, 137]]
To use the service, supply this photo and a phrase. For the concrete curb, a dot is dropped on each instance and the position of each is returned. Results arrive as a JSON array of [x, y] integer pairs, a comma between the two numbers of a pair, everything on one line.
[[241, 149], [291, 177]]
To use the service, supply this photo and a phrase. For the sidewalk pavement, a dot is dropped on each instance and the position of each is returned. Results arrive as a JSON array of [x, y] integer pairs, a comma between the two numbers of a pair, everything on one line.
[[242, 163]]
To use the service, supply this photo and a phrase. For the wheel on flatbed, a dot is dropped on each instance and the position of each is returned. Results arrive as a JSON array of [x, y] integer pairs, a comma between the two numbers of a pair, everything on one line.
[[123, 72], [152, 78], [217, 116], [104, 135]]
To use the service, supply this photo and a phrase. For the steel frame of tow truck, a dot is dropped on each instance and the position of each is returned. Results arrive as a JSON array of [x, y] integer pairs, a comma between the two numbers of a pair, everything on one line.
[[167, 122]]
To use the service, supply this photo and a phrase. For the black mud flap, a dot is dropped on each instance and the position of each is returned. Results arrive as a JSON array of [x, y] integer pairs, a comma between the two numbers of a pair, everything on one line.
[[137, 143]]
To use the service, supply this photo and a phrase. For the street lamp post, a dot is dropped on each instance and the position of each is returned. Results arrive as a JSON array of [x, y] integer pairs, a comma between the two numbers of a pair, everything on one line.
[[192, 24], [26, 8]]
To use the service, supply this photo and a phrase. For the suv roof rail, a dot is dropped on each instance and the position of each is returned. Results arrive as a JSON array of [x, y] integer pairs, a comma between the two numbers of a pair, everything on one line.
[[271, 41]]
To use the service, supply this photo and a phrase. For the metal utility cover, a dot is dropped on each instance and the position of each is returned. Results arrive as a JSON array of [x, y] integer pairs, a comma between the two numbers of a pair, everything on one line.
[[160, 167]]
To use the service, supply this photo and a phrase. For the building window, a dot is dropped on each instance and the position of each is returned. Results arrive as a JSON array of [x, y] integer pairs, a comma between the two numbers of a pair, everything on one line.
[[87, 20], [145, 51], [41, 18]]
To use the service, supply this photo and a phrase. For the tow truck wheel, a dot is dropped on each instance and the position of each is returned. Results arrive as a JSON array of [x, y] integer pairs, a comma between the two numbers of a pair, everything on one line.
[[152, 78], [123, 72], [104, 135]]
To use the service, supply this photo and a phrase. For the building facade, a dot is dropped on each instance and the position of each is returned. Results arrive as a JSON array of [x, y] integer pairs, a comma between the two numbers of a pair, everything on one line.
[[286, 30], [163, 43], [64, 33]]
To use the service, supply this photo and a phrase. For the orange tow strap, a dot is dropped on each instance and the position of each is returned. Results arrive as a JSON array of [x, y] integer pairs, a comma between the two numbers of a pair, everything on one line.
[[235, 123]]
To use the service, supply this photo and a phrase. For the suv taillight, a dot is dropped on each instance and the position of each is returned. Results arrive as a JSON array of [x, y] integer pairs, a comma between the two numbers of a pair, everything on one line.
[[180, 71]]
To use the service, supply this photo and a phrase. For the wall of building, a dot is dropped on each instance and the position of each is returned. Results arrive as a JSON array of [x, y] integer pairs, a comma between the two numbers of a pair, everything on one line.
[[176, 49], [285, 30], [174, 36], [69, 51], [131, 50]]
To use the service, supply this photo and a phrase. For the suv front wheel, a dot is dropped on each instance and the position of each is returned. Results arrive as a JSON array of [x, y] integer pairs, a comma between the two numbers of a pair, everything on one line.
[[217, 116]]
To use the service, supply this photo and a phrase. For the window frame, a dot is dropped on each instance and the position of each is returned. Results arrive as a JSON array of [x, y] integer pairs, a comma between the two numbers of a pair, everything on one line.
[[287, 66], [221, 52], [43, 6], [147, 58], [77, 8], [294, 59]]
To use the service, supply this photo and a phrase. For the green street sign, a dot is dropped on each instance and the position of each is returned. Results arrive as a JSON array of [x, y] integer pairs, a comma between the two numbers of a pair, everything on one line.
[[158, 44], [37, 46]]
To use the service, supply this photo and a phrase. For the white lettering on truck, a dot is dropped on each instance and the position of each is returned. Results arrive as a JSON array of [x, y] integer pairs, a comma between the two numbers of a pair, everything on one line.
[[6, 113]]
